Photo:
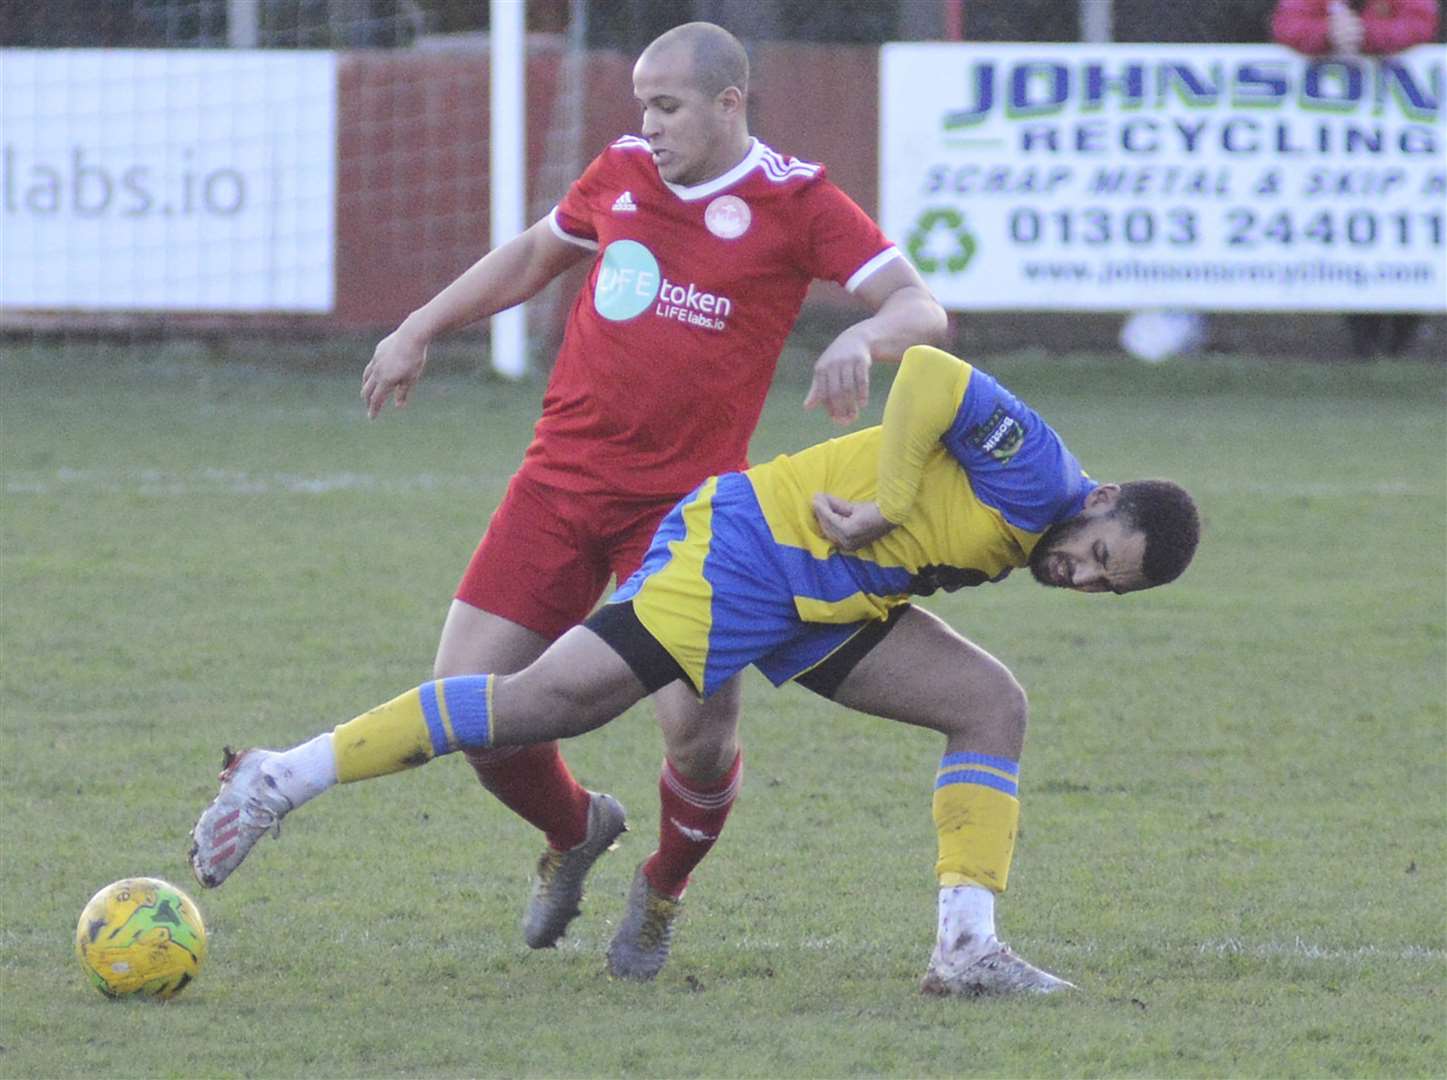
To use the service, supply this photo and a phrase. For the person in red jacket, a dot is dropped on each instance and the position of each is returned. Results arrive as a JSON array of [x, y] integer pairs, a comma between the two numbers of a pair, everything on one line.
[[1371, 28]]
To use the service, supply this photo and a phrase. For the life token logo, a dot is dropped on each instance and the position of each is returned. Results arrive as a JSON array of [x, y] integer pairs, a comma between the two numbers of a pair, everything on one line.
[[628, 281], [941, 240], [728, 217]]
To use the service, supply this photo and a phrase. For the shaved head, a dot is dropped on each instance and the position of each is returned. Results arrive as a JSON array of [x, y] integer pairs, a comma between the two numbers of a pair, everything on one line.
[[691, 85], [719, 60]]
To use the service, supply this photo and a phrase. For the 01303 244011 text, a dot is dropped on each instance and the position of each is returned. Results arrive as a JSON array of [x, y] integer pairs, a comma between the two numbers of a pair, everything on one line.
[[1232, 227]]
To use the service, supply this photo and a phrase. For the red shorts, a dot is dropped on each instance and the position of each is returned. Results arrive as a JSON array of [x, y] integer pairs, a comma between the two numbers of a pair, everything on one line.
[[548, 555]]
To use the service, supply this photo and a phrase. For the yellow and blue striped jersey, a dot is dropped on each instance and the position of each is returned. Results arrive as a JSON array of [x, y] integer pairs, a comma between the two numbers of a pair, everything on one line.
[[971, 475], [739, 572]]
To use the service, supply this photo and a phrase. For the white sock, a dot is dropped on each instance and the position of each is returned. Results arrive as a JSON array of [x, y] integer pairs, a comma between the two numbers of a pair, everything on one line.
[[304, 771], [967, 917]]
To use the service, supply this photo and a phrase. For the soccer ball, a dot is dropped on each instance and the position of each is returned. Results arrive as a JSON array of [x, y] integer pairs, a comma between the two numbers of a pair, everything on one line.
[[140, 936]]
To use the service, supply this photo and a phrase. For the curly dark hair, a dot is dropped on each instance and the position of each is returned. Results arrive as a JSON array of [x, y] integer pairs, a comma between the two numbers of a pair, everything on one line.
[[1167, 514]]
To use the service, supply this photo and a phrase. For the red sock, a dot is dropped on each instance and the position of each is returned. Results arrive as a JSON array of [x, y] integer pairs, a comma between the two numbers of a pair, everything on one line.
[[690, 819], [535, 783]]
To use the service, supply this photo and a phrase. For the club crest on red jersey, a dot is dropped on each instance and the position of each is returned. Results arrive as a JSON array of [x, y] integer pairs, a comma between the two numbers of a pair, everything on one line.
[[728, 217]]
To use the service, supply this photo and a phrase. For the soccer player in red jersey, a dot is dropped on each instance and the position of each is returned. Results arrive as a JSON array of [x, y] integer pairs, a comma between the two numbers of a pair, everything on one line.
[[704, 242]]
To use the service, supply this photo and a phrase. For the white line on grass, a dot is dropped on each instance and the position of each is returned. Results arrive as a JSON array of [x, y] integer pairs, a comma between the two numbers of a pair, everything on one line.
[[225, 482], [213, 481], [1297, 948], [1324, 489]]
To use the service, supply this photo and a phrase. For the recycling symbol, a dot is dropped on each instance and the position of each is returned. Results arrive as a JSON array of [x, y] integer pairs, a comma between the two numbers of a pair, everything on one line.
[[941, 241]]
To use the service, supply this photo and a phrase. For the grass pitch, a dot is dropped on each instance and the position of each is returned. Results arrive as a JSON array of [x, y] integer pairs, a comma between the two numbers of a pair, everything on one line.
[[1233, 789]]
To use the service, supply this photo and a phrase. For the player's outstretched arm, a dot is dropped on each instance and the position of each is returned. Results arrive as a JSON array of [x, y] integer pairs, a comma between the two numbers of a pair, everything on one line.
[[505, 276], [905, 313]]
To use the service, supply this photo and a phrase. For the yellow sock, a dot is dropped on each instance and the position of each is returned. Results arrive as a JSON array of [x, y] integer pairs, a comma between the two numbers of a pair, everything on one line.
[[976, 813], [410, 730]]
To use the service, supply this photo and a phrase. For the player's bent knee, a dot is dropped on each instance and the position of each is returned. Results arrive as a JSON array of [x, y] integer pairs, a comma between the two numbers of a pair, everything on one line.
[[996, 710], [1005, 713], [1014, 705], [701, 757], [700, 738]]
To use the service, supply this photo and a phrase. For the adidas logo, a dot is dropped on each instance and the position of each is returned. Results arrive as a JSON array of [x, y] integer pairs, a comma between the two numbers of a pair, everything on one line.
[[624, 204]]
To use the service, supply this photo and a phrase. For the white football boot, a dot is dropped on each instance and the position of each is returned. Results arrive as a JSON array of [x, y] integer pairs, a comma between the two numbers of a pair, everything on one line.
[[989, 968], [246, 808]]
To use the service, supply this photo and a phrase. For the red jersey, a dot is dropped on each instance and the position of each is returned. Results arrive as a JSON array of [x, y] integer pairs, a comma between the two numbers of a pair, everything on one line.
[[671, 344]]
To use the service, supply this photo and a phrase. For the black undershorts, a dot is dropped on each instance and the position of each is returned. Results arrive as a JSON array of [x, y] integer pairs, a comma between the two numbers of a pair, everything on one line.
[[619, 627]]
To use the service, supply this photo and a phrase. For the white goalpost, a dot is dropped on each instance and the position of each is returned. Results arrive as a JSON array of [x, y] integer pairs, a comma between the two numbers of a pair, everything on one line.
[[507, 163]]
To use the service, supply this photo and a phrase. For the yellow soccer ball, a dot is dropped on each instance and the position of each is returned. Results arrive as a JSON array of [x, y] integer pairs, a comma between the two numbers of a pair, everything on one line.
[[140, 936]]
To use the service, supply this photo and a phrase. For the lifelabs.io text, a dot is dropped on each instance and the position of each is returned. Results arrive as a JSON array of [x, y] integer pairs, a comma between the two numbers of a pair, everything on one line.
[[79, 182]]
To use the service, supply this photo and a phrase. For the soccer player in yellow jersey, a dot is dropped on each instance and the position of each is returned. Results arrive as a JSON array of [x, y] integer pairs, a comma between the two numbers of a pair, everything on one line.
[[804, 567]]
